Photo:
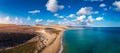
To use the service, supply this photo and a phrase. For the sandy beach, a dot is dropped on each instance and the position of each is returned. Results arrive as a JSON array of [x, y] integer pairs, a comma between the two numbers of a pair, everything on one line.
[[55, 46], [45, 39]]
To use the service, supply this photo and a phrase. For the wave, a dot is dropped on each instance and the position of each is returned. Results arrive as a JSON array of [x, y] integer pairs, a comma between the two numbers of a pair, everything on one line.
[[61, 48]]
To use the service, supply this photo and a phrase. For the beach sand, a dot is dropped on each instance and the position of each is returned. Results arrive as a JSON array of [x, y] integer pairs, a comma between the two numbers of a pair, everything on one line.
[[55, 46]]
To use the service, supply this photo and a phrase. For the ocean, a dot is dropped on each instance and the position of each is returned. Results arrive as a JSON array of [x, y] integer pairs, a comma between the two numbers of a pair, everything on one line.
[[92, 40]]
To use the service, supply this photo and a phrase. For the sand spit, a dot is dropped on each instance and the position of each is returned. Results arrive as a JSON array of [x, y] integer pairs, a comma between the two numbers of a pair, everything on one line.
[[55, 46]]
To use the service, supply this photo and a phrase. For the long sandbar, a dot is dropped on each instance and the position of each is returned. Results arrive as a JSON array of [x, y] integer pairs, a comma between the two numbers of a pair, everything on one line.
[[55, 46]]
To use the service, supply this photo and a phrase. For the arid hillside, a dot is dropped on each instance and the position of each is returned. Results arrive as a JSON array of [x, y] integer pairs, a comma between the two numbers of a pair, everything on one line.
[[26, 39]]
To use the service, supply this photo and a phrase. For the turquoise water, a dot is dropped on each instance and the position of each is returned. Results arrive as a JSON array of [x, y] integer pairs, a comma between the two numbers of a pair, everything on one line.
[[92, 40]]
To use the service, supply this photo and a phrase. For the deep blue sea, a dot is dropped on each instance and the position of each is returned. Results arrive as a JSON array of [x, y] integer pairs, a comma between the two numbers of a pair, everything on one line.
[[92, 40]]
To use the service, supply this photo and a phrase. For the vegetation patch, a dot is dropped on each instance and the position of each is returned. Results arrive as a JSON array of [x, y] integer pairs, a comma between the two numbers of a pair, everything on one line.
[[27, 48]]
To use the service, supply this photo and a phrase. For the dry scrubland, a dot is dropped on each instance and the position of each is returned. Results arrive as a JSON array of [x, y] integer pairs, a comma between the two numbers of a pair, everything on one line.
[[29, 39]]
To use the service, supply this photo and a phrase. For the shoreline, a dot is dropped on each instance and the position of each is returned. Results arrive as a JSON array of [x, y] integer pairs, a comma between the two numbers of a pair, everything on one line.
[[55, 47], [61, 41], [45, 39]]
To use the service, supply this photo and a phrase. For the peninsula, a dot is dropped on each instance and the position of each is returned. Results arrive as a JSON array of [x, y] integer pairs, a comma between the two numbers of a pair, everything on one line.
[[30, 39]]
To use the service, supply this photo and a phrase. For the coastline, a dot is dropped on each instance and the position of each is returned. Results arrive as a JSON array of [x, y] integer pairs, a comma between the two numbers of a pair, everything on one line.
[[61, 44], [55, 47], [44, 39]]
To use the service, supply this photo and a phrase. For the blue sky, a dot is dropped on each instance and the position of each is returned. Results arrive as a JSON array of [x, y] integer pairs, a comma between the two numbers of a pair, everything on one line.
[[95, 13]]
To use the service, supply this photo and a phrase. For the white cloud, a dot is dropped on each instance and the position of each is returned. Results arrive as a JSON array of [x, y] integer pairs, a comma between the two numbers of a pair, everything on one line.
[[99, 18], [96, 12], [81, 18], [88, 24], [38, 20], [65, 19], [61, 17], [102, 5], [5, 20], [28, 18], [20, 21], [80, 21], [86, 11], [65, 23], [34, 11], [16, 20], [71, 16], [56, 14], [53, 6], [117, 4], [90, 19], [50, 22], [9, 20]]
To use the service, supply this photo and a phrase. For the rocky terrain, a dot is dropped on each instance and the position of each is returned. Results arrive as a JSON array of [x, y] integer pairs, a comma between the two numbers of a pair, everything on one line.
[[27, 39]]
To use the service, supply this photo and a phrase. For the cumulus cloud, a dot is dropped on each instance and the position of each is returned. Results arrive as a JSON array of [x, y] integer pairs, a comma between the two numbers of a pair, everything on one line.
[[58, 16], [102, 5], [13, 20], [16, 20], [50, 22], [86, 11], [5, 20], [96, 12], [38, 20], [117, 4], [90, 19], [81, 18], [20, 21], [65, 23], [71, 16], [53, 6], [34, 11], [61, 17], [99, 18]]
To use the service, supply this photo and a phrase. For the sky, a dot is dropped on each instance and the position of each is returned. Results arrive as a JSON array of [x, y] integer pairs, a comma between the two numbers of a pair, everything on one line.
[[93, 13]]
